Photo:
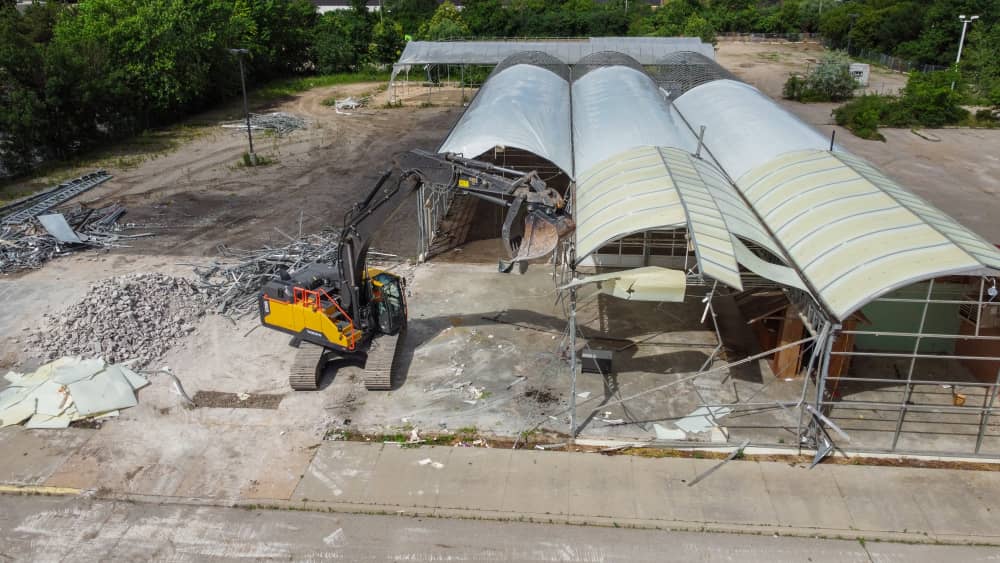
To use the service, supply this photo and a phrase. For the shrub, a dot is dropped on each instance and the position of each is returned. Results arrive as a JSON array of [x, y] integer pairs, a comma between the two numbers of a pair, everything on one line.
[[829, 81]]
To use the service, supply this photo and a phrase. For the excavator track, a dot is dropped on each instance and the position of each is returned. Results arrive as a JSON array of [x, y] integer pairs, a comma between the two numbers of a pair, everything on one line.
[[307, 368], [380, 362]]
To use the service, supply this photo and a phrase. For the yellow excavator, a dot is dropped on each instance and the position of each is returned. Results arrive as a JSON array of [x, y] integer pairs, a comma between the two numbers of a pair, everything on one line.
[[340, 308]]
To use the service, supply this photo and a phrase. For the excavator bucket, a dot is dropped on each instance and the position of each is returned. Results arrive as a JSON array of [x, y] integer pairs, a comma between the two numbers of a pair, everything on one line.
[[541, 236]]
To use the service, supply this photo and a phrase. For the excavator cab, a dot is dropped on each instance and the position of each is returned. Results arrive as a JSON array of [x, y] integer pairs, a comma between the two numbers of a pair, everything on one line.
[[389, 302]]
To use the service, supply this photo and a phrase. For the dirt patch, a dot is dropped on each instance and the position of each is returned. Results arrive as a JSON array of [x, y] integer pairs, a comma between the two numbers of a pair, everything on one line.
[[216, 399], [541, 396]]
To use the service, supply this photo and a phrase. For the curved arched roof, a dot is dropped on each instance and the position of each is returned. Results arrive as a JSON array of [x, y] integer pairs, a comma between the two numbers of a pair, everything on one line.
[[743, 127], [616, 108], [846, 231], [523, 106]]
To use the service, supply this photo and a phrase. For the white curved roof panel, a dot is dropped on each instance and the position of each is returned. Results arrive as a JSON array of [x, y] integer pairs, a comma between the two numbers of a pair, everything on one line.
[[645, 188], [616, 108], [853, 233], [744, 128], [523, 106]]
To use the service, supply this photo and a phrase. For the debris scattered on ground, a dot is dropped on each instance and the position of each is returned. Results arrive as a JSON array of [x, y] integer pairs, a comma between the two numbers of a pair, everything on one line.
[[350, 103], [663, 433], [22, 210], [68, 390], [234, 283], [279, 122], [541, 396], [29, 245], [429, 461], [216, 399], [702, 419], [133, 317]]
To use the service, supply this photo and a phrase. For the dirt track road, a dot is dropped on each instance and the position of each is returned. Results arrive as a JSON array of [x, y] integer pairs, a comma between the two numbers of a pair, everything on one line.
[[198, 196]]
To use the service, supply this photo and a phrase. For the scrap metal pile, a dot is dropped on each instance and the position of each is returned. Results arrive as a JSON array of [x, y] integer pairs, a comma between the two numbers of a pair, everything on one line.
[[29, 236], [233, 284], [279, 122], [134, 317], [33, 243]]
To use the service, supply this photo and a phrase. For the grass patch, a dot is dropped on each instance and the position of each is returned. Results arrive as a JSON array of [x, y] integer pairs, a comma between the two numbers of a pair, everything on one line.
[[124, 154], [262, 160], [290, 86]]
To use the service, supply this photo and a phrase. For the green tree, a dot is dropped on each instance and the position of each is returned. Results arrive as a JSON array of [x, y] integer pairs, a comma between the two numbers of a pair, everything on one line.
[[697, 26], [486, 18], [410, 14], [387, 42], [445, 24], [22, 113], [333, 47], [981, 62], [831, 79]]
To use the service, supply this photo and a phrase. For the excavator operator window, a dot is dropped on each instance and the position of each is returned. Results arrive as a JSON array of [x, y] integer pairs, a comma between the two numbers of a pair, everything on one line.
[[388, 299]]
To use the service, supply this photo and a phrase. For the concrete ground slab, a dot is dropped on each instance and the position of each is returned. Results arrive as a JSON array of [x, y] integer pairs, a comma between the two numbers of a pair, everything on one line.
[[661, 491], [963, 503], [30, 457], [408, 476], [475, 478], [734, 493], [801, 495], [880, 499], [537, 483], [338, 473], [590, 476]]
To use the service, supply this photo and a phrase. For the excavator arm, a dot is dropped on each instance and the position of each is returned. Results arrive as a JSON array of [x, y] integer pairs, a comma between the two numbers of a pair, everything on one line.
[[337, 287]]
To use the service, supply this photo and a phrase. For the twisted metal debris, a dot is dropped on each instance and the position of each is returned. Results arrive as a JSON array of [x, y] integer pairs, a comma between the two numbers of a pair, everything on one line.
[[279, 122], [232, 284], [28, 246]]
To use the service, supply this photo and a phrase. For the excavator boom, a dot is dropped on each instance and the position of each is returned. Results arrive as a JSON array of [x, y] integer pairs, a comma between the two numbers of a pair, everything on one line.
[[341, 305]]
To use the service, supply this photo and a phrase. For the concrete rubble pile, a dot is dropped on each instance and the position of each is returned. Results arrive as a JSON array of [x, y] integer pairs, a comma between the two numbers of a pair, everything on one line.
[[67, 390], [31, 244], [280, 122], [134, 317], [232, 285]]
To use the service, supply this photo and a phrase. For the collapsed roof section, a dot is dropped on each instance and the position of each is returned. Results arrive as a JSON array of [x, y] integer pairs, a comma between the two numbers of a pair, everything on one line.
[[845, 233]]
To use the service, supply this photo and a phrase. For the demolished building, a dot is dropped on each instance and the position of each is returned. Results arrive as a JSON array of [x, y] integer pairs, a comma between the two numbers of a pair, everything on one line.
[[677, 164]]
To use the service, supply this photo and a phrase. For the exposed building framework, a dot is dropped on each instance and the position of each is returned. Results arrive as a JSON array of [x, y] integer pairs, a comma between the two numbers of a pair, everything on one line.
[[680, 165]]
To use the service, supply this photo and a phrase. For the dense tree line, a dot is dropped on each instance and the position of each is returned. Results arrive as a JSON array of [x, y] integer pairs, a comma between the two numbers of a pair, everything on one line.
[[74, 75]]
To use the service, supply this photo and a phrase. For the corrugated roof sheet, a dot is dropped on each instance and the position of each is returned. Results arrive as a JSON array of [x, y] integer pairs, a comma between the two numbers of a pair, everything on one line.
[[853, 233]]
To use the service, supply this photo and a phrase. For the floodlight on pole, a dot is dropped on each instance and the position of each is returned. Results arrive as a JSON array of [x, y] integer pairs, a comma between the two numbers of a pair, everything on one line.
[[961, 41], [240, 53]]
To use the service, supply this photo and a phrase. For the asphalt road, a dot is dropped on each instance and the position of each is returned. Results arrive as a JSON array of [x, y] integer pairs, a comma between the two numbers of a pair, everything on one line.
[[37, 528]]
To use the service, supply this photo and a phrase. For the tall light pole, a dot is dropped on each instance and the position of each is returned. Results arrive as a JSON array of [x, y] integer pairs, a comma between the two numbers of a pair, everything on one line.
[[965, 23], [246, 107]]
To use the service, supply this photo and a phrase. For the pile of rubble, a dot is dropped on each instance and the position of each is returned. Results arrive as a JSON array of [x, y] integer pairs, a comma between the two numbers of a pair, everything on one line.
[[279, 122], [233, 284], [34, 242], [132, 317]]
